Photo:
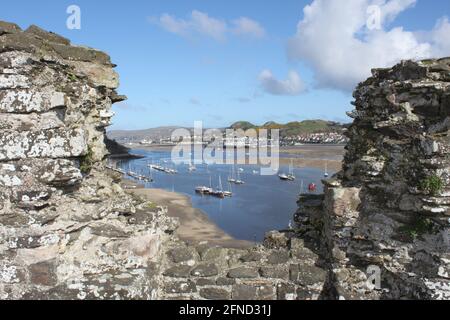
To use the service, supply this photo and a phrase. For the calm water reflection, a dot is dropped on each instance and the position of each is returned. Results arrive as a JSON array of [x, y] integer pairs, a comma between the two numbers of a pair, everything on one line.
[[264, 203]]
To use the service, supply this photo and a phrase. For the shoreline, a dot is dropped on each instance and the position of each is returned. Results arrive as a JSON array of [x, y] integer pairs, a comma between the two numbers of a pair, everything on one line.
[[310, 156], [195, 226]]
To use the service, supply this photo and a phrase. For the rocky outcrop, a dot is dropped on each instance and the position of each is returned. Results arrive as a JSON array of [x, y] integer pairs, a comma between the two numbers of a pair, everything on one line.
[[67, 230], [388, 210]]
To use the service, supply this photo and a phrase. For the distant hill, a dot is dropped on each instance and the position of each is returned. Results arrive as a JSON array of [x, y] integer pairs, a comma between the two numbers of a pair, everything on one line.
[[294, 128], [155, 134], [286, 130], [244, 125]]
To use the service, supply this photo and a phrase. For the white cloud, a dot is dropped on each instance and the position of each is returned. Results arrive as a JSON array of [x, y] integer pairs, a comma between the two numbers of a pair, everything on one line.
[[249, 27], [208, 26], [441, 38], [292, 86], [201, 23], [174, 25], [334, 40]]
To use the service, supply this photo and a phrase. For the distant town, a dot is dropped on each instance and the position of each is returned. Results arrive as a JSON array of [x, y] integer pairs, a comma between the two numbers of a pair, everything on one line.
[[291, 134]]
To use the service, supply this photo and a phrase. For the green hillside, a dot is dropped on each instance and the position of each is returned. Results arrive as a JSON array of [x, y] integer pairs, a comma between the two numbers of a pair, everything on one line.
[[294, 128], [244, 125]]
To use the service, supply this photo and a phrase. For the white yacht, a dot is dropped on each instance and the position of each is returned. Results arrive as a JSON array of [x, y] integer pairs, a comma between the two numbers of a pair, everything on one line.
[[290, 176]]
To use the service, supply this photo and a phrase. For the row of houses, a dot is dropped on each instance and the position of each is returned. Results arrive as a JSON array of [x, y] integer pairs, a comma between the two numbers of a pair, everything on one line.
[[312, 138], [315, 138]]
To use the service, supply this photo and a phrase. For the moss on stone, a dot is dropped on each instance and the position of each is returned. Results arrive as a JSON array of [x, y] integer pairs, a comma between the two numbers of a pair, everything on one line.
[[418, 227], [87, 161], [432, 185]]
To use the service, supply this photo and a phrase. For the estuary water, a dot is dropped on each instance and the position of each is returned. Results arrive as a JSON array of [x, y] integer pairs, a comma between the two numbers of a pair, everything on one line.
[[262, 204]]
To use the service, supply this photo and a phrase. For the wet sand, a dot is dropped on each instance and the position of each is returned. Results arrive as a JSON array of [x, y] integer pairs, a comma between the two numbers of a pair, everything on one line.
[[195, 226], [314, 156]]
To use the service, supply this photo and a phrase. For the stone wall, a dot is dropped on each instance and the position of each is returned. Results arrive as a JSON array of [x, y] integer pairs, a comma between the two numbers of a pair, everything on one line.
[[284, 268], [389, 207], [67, 230]]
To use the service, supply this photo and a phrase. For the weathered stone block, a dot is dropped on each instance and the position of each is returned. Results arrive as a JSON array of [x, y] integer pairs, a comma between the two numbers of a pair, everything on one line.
[[202, 282], [252, 256], [30, 100], [27, 122], [58, 173], [266, 292], [179, 255], [274, 272], [244, 292], [243, 272], [178, 272], [278, 257], [100, 75], [225, 281], [48, 36], [180, 287], [215, 294], [56, 143], [6, 27], [214, 253], [43, 274], [205, 270], [343, 201], [80, 54], [19, 42], [307, 275], [14, 81]]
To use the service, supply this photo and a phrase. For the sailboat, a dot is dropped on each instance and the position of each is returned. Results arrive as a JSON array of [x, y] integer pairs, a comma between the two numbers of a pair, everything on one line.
[[231, 178], [219, 193], [203, 190], [290, 176], [239, 181], [228, 193]]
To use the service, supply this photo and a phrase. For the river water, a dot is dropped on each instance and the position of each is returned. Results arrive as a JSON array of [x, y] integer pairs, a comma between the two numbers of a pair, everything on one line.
[[262, 204]]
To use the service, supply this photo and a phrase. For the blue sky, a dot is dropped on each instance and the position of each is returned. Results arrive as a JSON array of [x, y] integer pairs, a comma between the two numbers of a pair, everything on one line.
[[176, 70]]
